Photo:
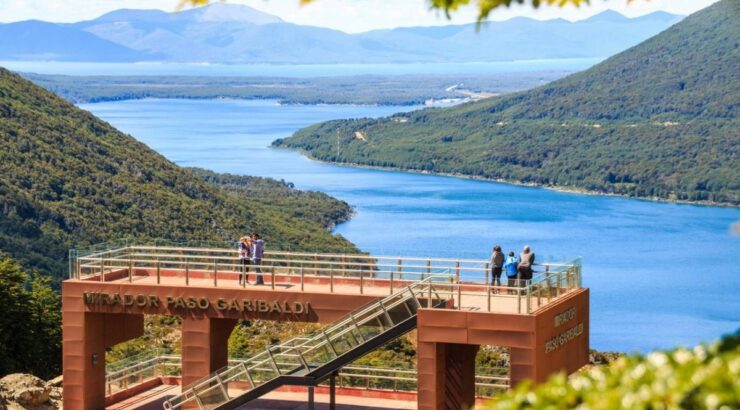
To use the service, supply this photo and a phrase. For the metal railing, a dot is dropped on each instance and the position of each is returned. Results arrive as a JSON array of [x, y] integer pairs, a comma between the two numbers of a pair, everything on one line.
[[311, 351], [134, 371], [221, 267], [224, 261], [139, 369]]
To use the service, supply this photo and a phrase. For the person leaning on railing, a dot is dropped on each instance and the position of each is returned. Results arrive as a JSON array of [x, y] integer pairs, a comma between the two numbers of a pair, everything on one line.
[[526, 261], [511, 267], [497, 266], [258, 251], [245, 256]]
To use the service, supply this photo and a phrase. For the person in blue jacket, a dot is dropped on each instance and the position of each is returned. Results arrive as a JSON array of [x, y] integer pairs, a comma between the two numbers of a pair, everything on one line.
[[510, 267]]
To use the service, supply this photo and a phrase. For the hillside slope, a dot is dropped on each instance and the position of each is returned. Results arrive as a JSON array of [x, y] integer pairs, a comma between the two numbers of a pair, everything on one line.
[[659, 120], [68, 179]]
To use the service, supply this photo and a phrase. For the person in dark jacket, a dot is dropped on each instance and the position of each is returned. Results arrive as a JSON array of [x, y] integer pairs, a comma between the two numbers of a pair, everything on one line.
[[245, 256], [258, 251], [526, 261], [497, 266]]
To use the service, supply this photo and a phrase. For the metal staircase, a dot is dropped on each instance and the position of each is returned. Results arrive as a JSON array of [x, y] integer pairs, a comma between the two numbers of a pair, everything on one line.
[[309, 360]]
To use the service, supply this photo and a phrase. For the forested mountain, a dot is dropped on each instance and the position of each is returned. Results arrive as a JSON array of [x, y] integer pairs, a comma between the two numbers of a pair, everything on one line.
[[659, 120], [230, 33], [68, 179]]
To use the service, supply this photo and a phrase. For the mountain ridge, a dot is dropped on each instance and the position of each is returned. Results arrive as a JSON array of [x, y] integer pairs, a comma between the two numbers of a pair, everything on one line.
[[659, 120], [226, 33], [35, 39]]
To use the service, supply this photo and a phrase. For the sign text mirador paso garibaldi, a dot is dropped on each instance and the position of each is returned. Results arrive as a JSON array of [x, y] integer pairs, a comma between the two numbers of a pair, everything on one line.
[[566, 336], [239, 305]]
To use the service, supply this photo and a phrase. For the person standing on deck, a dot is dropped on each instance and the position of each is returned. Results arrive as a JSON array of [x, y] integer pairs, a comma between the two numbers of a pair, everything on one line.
[[245, 256], [258, 251], [526, 261], [510, 266], [497, 266]]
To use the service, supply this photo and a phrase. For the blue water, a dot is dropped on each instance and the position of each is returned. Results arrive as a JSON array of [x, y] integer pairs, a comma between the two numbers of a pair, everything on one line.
[[660, 274], [296, 70]]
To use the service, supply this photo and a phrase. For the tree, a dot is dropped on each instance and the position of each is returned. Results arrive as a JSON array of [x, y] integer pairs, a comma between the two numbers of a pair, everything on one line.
[[15, 318], [30, 324], [46, 315]]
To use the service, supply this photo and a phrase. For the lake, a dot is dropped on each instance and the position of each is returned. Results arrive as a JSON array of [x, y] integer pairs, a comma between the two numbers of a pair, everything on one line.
[[660, 274], [296, 70]]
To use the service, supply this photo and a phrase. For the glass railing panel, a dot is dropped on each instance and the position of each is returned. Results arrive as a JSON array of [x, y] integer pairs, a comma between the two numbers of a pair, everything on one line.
[[234, 380], [318, 355], [212, 395], [371, 329], [368, 315], [232, 373], [262, 371], [342, 340], [287, 359]]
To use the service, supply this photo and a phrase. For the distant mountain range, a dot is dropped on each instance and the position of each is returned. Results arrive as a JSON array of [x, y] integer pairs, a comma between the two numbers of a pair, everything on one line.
[[228, 33], [659, 120]]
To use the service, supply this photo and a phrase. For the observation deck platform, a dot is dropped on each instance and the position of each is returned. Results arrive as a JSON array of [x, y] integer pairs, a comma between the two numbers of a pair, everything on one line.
[[364, 300]]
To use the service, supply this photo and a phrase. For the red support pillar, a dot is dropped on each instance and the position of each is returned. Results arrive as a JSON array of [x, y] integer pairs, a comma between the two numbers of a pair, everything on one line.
[[85, 337], [204, 346], [82, 336], [446, 376]]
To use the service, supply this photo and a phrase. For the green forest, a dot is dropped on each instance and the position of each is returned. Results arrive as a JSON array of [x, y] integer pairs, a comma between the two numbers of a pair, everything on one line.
[[68, 180], [356, 89], [313, 206], [659, 120]]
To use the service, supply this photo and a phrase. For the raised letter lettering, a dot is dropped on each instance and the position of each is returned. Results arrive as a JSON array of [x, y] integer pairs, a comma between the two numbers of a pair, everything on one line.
[[141, 300], [90, 298]]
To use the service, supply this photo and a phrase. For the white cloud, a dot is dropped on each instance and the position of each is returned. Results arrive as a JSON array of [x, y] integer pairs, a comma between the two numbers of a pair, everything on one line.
[[347, 15]]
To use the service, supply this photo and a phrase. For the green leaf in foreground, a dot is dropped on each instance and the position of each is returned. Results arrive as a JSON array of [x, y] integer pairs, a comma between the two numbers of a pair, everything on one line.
[[705, 377]]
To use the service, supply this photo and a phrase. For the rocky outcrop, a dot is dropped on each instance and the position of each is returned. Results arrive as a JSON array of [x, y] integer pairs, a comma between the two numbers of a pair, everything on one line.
[[25, 391]]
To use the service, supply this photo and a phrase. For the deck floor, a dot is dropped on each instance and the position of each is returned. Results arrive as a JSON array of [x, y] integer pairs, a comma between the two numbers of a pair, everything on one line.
[[473, 297], [152, 400]]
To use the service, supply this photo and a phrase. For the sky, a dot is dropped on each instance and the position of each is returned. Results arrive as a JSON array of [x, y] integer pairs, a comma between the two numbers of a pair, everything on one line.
[[351, 16]]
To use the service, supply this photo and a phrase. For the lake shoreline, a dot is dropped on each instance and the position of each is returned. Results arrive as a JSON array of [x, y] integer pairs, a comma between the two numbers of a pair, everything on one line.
[[101, 100], [447, 217], [555, 188]]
